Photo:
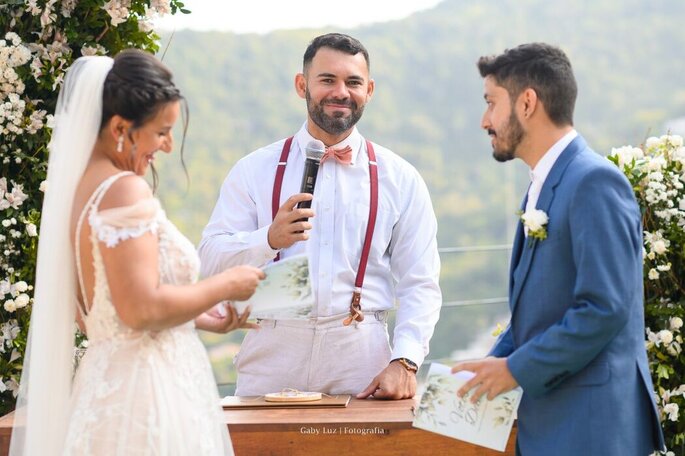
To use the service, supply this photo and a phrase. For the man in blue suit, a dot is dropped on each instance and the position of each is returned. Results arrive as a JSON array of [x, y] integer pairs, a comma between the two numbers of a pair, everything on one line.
[[575, 342]]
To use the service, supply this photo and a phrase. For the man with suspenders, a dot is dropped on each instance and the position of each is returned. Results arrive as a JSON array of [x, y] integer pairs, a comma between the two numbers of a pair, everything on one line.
[[370, 236]]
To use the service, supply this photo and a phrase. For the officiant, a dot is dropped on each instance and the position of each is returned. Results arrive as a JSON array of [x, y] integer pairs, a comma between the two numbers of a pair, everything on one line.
[[370, 237]]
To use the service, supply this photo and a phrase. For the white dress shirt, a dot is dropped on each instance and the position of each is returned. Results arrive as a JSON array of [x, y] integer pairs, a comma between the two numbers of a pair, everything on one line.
[[403, 265], [539, 174]]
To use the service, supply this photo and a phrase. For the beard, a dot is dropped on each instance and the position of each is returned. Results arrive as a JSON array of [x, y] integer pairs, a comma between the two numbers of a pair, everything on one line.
[[337, 123], [510, 137]]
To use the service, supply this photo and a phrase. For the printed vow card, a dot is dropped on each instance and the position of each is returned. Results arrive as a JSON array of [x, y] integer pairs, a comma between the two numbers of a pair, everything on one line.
[[485, 423], [285, 293]]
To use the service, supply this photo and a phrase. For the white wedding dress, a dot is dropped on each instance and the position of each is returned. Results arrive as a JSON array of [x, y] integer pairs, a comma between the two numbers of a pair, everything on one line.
[[142, 392]]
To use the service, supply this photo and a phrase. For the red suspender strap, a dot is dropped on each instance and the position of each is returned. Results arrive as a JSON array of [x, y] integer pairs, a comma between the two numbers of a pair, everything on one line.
[[355, 306], [278, 182]]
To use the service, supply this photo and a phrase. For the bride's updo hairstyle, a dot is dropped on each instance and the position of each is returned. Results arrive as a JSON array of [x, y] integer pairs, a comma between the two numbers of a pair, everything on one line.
[[136, 88]]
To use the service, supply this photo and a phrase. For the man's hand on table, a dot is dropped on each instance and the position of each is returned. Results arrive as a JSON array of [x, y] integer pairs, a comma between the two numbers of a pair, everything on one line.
[[394, 382]]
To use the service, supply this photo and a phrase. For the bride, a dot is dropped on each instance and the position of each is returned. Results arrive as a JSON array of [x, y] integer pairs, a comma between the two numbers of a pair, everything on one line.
[[110, 259]]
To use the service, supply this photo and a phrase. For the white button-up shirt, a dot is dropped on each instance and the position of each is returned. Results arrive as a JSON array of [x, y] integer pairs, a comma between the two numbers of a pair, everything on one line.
[[538, 175], [403, 265]]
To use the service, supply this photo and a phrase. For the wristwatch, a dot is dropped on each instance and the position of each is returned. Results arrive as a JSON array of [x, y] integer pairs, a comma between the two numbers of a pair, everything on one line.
[[407, 364]]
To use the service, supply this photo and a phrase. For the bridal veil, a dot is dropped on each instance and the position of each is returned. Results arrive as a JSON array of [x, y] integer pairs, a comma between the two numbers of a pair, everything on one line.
[[42, 406]]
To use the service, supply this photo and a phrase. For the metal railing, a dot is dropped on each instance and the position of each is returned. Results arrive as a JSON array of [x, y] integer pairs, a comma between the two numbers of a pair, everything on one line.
[[470, 249], [455, 303]]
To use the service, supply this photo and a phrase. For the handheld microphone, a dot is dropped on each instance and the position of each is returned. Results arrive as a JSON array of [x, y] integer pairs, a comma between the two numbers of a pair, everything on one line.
[[314, 151]]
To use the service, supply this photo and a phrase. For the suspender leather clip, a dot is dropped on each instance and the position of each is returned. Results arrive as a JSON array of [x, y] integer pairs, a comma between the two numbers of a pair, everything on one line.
[[355, 308]]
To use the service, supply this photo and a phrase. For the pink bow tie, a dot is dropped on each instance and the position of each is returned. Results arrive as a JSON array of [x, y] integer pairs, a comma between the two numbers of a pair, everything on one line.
[[343, 155]]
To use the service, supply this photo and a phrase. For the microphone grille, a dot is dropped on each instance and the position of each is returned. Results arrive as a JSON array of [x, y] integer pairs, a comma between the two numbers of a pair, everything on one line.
[[315, 149]]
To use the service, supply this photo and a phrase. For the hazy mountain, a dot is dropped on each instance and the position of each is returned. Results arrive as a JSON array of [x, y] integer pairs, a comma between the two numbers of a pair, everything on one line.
[[628, 59]]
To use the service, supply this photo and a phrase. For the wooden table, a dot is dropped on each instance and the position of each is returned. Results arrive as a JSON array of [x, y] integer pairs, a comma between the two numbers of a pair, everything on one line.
[[364, 427]]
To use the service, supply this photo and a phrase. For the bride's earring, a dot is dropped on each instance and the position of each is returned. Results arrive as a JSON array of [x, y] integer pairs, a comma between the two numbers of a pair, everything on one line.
[[120, 144]]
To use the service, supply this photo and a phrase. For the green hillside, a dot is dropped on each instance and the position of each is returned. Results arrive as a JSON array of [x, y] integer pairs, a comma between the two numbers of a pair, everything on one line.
[[628, 58]]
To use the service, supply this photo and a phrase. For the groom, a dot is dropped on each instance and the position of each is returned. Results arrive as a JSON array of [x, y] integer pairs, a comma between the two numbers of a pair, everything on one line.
[[575, 342]]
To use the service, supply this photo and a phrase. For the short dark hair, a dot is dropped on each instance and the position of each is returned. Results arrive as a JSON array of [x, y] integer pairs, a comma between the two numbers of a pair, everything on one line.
[[542, 67], [337, 41]]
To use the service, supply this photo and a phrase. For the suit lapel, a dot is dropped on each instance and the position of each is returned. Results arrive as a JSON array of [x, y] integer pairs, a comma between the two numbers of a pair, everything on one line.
[[519, 241], [519, 272]]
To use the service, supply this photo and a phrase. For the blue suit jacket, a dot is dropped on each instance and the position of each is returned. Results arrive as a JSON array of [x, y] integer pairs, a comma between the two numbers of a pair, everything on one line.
[[576, 340]]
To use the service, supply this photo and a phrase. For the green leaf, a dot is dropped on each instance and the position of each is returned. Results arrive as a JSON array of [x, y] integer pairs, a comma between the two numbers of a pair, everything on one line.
[[662, 371]]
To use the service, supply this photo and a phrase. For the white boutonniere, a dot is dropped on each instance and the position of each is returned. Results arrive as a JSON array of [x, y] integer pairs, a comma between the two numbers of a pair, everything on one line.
[[535, 221]]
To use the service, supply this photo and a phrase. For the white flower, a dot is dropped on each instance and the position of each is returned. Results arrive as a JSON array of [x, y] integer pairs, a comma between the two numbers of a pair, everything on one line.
[[17, 197], [161, 6], [674, 349], [48, 16], [627, 154], [675, 140], [6, 223], [10, 306], [656, 163], [21, 286], [31, 230], [36, 121], [9, 330], [653, 274], [678, 154], [672, 411], [13, 386], [676, 323], [22, 300], [535, 221], [20, 55], [117, 10], [656, 176], [93, 50], [43, 186], [665, 336], [4, 287], [659, 247], [13, 37], [145, 25], [652, 339], [68, 7]]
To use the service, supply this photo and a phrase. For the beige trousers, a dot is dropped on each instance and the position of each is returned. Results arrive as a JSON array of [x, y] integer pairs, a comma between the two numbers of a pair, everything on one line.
[[313, 355]]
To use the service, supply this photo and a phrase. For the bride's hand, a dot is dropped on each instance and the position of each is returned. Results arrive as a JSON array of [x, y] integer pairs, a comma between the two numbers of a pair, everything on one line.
[[214, 321], [241, 282]]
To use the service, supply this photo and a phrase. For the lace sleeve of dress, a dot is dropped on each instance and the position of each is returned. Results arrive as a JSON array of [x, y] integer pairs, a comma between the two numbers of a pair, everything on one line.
[[117, 224]]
